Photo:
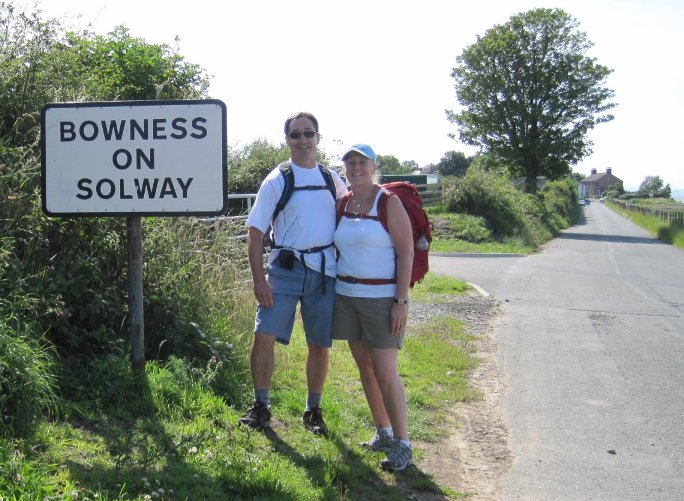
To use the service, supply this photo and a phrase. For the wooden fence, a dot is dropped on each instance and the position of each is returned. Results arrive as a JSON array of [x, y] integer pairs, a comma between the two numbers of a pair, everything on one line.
[[241, 203], [430, 193], [675, 218]]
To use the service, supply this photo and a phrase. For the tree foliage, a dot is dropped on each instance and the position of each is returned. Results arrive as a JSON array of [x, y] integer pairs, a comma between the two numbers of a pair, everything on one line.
[[411, 165], [530, 94], [651, 184], [119, 66], [453, 163], [63, 280], [249, 165], [614, 190], [654, 186], [577, 176], [389, 164]]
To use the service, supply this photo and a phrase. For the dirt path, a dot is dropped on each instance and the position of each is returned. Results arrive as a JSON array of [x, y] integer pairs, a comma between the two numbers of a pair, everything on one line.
[[474, 457]]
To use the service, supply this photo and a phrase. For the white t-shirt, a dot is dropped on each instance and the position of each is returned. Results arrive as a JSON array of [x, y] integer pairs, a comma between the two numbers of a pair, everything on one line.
[[366, 251], [308, 219]]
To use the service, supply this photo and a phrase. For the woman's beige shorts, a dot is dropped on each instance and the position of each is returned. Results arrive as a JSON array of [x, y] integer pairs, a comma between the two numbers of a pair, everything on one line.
[[365, 319]]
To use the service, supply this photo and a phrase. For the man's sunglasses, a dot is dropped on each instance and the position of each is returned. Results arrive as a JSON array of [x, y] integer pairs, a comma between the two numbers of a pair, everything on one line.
[[307, 134]]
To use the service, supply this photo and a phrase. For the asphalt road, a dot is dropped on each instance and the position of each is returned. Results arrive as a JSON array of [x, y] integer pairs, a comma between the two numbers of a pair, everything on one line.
[[591, 345]]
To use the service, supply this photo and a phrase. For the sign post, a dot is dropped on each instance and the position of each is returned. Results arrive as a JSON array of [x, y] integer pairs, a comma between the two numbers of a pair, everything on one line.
[[134, 159], [135, 293]]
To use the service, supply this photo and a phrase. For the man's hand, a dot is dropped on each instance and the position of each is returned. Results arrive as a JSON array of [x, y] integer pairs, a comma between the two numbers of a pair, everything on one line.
[[263, 293], [255, 253]]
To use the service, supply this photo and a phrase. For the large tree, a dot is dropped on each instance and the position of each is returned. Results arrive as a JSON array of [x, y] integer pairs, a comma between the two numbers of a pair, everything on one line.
[[529, 94], [654, 186], [453, 163], [389, 164]]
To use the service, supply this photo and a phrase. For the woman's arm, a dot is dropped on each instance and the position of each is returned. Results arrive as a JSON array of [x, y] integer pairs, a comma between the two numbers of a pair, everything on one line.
[[400, 231]]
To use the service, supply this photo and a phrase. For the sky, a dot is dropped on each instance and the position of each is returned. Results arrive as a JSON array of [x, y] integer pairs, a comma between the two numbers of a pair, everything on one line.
[[379, 71]]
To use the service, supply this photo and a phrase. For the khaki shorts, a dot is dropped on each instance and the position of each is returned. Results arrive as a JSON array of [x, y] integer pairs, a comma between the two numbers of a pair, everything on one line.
[[367, 320]]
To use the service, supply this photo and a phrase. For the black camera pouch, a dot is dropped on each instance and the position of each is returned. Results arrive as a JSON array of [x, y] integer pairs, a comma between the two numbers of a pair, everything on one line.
[[286, 259]]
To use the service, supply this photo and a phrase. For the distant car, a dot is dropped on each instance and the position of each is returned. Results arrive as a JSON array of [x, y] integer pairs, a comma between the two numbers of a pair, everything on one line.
[[587, 201], [602, 200], [582, 203]]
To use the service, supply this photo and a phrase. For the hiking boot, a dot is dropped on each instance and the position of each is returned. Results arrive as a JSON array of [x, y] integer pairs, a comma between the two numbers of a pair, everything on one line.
[[398, 458], [257, 417], [381, 441], [313, 421]]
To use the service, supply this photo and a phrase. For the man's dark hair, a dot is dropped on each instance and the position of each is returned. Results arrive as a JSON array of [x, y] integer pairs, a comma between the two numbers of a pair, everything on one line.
[[300, 114]]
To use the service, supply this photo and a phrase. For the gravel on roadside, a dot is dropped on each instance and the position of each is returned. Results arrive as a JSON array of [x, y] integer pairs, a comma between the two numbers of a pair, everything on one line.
[[476, 311]]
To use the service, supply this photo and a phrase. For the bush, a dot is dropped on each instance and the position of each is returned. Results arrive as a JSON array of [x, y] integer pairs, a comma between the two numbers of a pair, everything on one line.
[[486, 200], [560, 208], [491, 195], [249, 166], [63, 281], [27, 380]]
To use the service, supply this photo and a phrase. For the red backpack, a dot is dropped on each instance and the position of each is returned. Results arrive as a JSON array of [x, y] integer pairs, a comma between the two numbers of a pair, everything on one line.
[[420, 224]]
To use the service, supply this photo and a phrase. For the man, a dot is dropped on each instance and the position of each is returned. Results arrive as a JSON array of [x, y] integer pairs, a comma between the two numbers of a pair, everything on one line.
[[301, 269]]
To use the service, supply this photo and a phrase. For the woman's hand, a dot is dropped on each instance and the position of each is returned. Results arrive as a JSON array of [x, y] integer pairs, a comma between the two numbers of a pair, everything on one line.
[[399, 318]]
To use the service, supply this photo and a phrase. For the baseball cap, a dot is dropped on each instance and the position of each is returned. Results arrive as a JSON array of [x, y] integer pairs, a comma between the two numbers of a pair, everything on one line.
[[363, 149]]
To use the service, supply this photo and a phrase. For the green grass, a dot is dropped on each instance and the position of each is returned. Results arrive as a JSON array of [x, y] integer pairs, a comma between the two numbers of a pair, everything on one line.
[[464, 233], [658, 204], [27, 381], [660, 229], [170, 435], [512, 246], [437, 288]]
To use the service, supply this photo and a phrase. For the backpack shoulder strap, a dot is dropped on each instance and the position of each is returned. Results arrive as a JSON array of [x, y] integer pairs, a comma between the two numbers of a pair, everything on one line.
[[288, 178], [343, 205], [382, 208], [329, 181]]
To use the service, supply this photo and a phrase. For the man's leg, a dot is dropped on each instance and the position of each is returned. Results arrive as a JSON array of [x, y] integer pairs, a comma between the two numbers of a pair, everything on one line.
[[262, 364], [262, 360], [270, 325], [316, 367], [316, 372], [317, 311]]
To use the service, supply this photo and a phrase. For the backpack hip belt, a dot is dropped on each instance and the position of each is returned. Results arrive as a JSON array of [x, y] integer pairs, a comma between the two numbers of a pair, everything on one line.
[[311, 250], [366, 281]]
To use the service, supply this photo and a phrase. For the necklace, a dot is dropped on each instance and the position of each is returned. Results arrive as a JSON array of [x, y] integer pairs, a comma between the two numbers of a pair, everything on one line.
[[358, 205]]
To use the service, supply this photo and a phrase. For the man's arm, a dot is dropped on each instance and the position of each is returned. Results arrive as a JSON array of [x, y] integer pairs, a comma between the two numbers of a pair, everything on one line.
[[255, 254]]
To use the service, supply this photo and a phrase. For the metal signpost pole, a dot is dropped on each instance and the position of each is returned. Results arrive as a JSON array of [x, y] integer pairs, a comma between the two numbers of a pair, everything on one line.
[[135, 293]]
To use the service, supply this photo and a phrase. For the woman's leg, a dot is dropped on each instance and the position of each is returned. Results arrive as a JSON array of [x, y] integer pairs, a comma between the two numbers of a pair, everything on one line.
[[374, 397], [386, 375]]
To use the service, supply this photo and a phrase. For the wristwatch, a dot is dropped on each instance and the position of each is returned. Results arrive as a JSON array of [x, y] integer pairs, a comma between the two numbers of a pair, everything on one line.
[[400, 301]]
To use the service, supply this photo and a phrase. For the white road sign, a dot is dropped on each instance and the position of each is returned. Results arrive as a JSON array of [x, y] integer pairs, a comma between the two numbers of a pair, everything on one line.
[[144, 158]]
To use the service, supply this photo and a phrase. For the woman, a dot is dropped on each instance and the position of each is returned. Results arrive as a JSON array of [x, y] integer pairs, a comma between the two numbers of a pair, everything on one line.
[[371, 301]]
